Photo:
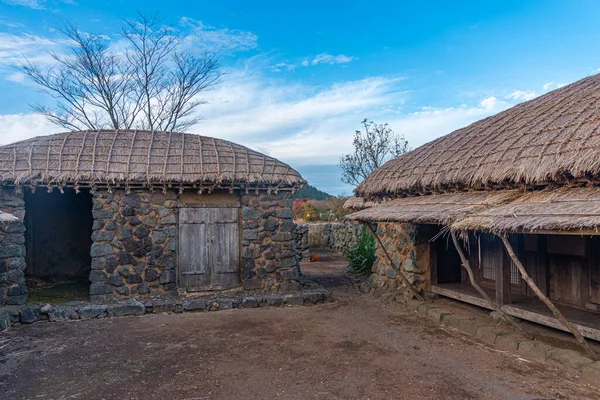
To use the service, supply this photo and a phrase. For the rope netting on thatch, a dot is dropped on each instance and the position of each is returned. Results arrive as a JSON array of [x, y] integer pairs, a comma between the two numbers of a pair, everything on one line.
[[128, 156], [550, 138]]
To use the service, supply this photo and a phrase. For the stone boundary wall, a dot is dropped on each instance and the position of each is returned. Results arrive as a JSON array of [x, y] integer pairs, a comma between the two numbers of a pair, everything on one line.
[[409, 250], [13, 289], [325, 236], [87, 311]]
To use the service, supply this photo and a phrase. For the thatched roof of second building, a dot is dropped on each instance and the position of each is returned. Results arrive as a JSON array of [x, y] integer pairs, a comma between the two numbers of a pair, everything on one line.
[[548, 139], [129, 156]]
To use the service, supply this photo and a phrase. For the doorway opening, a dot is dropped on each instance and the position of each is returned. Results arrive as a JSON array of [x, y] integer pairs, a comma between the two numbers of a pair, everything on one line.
[[58, 241]]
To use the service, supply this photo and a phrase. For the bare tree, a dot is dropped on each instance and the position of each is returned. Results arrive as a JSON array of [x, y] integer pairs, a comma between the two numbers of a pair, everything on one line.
[[372, 148], [151, 82]]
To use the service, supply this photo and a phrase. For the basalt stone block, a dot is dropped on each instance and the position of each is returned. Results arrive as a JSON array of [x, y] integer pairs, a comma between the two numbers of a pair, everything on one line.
[[143, 288], [151, 274], [294, 300], [250, 224], [97, 276], [252, 284], [111, 225], [273, 300], [158, 236], [285, 213], [168, 220], [11, 251], [195, 304], [167, 276], [101, 249], [102, 214], [103, 236], [97, 225], [132, 200], [128, 211], [93, 311], [251, 302], [131, 307], [29, 315], [288, 262], [134, 278], [270, 224], [115, 280], [125, 258], [60, 314], [251, 213], [97, 288], [141, 232], [162, 306]]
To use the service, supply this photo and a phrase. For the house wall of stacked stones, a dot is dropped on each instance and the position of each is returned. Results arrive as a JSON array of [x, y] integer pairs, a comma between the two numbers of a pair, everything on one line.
[[408, 245], [13, 289], [135, 243]]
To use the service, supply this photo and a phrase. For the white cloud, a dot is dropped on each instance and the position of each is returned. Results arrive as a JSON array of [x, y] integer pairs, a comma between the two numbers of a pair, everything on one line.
[[204, 37], [330, 59], [298, 123], [35, 4], [17, 127], [35, 48], [521, 95], [548, 85]]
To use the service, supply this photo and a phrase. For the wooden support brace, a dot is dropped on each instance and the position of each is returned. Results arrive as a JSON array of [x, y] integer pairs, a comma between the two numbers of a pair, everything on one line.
[[397, 270], [557, 314], [483, 294]]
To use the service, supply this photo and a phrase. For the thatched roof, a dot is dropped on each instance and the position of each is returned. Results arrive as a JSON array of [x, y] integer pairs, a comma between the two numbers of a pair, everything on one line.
[[128, 156], [6, 218], [434, 209], [548, 139], [358, 203], [563, 209]]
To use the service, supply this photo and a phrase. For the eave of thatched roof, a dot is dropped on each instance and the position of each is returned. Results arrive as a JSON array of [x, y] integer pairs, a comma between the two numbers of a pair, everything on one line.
[[566, 209], [134, 156], [546, 140], [434, 209], [358, 203]]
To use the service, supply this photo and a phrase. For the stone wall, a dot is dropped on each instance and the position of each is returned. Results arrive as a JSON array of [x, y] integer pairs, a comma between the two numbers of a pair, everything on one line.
[[408, 245], [269, 258], [134, 244], [326, 236], [13, 289], [134, 250]]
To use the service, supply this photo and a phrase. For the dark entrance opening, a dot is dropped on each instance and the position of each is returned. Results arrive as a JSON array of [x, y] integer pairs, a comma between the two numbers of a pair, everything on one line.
[[448, 261], [58, 241]]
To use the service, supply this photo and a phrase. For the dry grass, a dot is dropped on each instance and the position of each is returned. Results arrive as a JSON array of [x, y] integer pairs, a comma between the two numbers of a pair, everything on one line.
[[549, 139], [140, 157]]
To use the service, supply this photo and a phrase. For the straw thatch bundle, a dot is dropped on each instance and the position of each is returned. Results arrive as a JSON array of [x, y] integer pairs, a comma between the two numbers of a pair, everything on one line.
[[358, 203], [564, 209], [434, 209], [146, 157], [549, 139]]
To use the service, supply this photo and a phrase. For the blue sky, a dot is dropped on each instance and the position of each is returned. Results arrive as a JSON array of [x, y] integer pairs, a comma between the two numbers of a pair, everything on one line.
[[302, 75]]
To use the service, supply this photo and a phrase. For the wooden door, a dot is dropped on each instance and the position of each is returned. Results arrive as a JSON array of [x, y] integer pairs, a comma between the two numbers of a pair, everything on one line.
[[208, 248]]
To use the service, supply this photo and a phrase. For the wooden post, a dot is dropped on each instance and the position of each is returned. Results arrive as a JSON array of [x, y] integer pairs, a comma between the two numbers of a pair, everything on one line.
[[483, 294], [570, 327], [503, 279], [396, 269]]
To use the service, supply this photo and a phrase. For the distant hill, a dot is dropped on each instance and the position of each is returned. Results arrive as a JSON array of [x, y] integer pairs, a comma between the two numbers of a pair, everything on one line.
[[311, 193]]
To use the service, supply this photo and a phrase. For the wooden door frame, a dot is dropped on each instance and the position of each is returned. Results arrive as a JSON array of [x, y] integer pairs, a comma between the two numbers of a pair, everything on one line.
[[204, 201]]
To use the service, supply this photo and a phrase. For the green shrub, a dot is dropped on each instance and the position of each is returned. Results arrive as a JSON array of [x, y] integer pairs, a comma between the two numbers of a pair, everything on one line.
[[362, 256]]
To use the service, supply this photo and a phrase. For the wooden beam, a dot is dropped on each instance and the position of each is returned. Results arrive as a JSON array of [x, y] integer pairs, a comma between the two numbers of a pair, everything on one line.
[[483, 294], [516, 310], [557, 314], [503, 279]]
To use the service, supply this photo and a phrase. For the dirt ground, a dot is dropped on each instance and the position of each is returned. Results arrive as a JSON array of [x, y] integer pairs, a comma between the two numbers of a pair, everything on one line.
[[353, 348]]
